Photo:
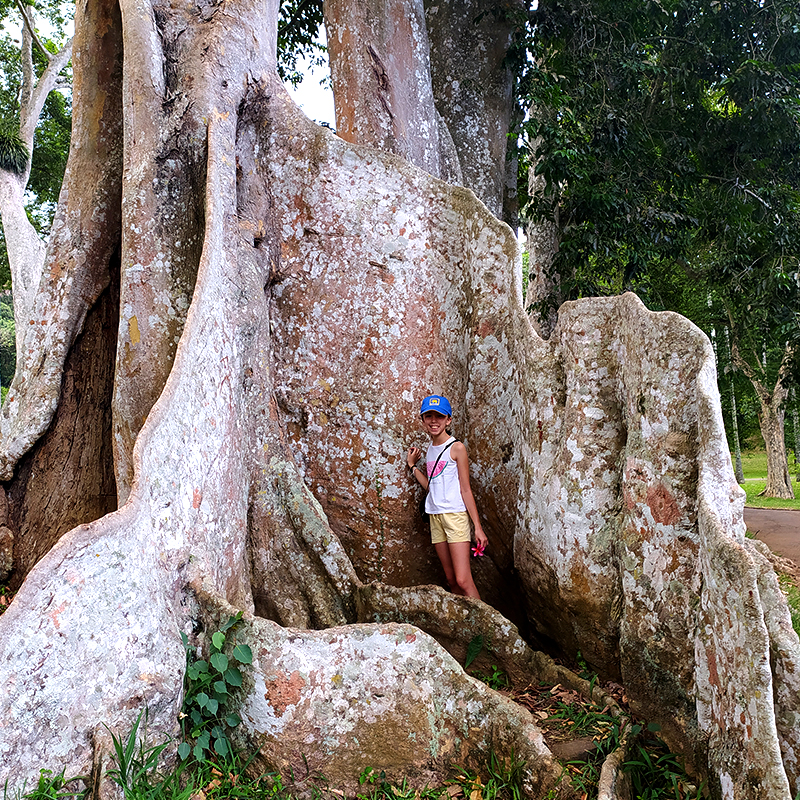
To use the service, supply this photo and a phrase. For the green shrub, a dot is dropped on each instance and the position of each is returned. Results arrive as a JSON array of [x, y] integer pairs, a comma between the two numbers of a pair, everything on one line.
[[209, 685], [14, 154]]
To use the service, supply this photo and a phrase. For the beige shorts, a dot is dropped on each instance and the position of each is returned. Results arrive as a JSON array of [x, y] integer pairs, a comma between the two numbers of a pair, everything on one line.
[[452, 527]]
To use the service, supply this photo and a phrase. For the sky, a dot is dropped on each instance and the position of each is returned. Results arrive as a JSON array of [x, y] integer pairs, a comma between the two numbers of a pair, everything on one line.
[[315, 100]]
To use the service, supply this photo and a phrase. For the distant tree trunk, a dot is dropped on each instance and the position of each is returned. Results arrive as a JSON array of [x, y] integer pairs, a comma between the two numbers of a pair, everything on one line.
[[542, 295], [796, 430], [771, 421], [382, 86], [737, 449], [25, 249]]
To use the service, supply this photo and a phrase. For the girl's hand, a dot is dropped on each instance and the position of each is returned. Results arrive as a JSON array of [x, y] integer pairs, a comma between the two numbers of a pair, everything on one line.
[[480, 537], [413, 456]]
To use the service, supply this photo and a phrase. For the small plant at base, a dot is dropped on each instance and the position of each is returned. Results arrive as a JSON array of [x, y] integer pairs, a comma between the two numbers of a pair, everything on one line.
[[52, 787], [496, 680], [137, 772], [208, 689], [655, 773], [503, 780], [380, 789]]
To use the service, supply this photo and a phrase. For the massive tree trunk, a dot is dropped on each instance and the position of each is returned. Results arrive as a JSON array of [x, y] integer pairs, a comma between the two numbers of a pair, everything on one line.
[[288, 297], [430, 82]]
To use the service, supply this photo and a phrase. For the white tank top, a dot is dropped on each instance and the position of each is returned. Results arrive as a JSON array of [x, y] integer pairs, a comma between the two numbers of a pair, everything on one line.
[[444, 490]]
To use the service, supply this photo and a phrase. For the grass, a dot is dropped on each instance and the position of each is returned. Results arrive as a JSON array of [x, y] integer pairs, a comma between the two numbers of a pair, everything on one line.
[[754, 467]]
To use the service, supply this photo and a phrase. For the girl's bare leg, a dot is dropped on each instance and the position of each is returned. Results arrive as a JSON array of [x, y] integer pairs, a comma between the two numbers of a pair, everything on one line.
[[443, 551], [459, 558]]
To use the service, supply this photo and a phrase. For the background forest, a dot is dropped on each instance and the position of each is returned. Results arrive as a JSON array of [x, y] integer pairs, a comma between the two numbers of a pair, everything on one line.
[[658, 149]]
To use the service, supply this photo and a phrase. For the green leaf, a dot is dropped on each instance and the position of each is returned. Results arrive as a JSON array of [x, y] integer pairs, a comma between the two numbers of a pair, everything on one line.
[[233, 677], [243, 654], [473, 649], [184, 749], [199, 753], [232, 720], [219, 661], [220, 687], [232, 620], [212, 706], [218, 640], [202, 699], [221, 746]]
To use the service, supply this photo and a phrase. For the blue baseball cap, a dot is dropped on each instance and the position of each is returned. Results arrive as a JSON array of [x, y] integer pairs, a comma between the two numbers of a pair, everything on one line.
[[436, 402]]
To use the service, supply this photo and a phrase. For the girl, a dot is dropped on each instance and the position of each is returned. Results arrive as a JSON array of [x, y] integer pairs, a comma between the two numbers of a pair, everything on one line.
[[450, 503]]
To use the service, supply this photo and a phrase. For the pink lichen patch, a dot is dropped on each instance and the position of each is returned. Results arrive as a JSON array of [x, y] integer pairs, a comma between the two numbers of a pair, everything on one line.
[[283, 692], [663, 505], [486, 328], [197, 498]]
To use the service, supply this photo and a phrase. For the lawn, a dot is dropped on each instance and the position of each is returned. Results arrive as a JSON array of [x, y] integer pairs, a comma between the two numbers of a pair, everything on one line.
[[754, 466]]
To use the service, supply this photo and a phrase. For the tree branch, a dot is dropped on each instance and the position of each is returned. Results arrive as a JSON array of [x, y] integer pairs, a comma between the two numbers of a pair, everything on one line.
[[29, 25], [29, 113]]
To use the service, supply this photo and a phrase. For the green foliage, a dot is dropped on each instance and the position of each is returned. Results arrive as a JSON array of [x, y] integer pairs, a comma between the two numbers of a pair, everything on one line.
[[52, 786], [13, 153], [50, 151], [209, 688], [299, 23], [52, 134], [8, 352], [376, 787], [503, 779], [474, 648], [138, 771], [496, 679], [656, 774], [669, 133]]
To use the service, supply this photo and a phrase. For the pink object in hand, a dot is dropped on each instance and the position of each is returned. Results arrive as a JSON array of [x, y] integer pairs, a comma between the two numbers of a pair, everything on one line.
[[478, 549]]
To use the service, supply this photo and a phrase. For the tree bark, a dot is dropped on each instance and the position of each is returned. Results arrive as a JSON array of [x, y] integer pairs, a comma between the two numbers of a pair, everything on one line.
[[334, 286], [796, 429], [430, 84], [25, 249], [771, 421], [473, 90], [737, 449]]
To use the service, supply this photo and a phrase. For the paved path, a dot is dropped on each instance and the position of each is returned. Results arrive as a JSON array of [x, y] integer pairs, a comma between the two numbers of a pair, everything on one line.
[[778, 528]]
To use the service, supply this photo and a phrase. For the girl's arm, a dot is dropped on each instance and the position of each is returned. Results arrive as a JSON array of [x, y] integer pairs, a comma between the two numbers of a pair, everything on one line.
[[462, 460], [413, 456]]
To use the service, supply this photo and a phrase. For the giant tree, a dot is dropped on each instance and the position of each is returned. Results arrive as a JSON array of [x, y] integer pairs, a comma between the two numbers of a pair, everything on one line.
[[261, 303]]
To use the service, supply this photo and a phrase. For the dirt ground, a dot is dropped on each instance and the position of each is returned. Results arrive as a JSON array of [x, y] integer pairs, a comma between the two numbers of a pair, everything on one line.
[[779, 529]]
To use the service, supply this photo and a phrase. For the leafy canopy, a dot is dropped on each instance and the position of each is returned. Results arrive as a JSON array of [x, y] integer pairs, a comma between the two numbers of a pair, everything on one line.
[[668, 131]]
